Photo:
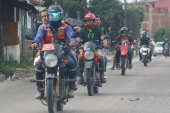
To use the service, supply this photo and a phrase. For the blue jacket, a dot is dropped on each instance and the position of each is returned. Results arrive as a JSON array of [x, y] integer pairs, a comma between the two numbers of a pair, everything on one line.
[[41, 33]]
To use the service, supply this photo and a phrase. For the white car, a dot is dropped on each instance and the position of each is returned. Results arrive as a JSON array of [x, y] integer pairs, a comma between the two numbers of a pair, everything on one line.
[[158, 48]]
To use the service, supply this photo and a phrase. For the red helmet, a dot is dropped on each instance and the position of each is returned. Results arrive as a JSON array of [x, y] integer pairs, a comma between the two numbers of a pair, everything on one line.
[[89, 16]]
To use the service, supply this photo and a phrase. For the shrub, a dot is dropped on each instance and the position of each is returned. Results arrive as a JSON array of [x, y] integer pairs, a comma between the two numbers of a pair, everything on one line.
[[7, 70]]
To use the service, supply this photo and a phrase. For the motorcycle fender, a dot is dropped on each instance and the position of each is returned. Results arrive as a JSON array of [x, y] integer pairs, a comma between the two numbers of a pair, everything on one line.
[[88, 64], [123, 52], [144, 53], [50, 76]]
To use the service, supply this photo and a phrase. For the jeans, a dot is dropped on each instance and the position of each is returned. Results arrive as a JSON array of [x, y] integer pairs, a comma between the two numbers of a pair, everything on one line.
[[71, 71], [105, 58], [118, 55]]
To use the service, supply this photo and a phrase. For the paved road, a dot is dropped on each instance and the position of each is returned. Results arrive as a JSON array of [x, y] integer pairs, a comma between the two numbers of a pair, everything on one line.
[[141, 90]]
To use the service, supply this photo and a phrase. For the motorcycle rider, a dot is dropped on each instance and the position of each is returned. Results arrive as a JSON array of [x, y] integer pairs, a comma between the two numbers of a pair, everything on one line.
[[127, 38], [114, 59], [166, 44], [44, 18], [92, 33], [98, 23], [63, 32], [144, 41]]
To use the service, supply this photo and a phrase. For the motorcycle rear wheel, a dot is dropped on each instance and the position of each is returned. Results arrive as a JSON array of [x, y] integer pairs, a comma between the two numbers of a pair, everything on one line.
[[60, 106], [123, 65], [96, 89]]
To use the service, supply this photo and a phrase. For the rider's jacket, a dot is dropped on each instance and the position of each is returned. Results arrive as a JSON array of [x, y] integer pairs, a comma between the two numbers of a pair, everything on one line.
[[86, 36], [127, 37], [45, 34], [144, 41], [166, 44]]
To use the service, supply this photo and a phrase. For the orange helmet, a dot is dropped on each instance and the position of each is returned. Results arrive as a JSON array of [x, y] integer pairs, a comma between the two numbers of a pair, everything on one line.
[[89, 16]]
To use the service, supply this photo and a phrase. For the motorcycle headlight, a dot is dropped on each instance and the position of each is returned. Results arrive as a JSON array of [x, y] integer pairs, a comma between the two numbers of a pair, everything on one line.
[[89, 55], [51, 60]]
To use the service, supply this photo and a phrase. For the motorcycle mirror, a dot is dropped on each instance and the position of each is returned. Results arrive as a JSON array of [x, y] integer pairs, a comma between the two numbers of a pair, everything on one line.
[[75, 34], [29, 37]]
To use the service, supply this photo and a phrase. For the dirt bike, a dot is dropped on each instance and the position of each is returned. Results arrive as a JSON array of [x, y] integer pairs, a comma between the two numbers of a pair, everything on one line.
[[145, 51], [123, 65], [91, 66], [56, 78]]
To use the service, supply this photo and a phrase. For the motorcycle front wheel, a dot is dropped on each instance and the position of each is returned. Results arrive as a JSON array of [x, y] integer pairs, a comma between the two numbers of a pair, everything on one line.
[[123, 65], [90, 82], [145, 60], [51, 97]]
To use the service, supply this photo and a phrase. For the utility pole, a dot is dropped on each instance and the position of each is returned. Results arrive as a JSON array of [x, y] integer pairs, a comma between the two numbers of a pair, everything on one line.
[[85, 7], [125, 10], [1, 34]]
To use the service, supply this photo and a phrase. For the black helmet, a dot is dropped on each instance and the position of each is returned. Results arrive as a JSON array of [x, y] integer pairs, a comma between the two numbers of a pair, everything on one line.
[[124, 31], [166, 39], [55, 14], [144, 33]]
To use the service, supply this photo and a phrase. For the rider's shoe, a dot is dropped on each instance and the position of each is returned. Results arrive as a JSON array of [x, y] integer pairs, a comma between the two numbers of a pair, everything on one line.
[[103, 80], [80, 82], [130, 66], [105, 75], [71, 94], [76, 86], [112, 68], [39, 95]]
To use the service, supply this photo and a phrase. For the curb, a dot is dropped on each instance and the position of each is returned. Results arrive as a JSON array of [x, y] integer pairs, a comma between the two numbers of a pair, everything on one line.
[[2, 78]]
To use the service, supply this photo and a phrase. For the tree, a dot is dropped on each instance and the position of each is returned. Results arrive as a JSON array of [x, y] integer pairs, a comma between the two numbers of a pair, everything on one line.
[[111, 13], [48, 3], [72, 8], [135, 16], [160, 34]]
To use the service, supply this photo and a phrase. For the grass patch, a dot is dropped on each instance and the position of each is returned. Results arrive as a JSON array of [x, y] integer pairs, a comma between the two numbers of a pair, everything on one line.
[[108, 60], [9, 67]]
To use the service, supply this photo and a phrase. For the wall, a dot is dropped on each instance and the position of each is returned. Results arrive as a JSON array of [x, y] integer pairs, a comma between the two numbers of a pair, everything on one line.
[[14, 51], [156, 15]]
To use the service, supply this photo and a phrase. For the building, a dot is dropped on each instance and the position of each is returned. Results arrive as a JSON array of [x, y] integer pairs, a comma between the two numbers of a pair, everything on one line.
[[157, 14], [17, 17]]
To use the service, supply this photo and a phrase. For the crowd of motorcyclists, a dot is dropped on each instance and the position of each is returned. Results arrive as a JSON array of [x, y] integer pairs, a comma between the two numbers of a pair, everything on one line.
[[53, 29]]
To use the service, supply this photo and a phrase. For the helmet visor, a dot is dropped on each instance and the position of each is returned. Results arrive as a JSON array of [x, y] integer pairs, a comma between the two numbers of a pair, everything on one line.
[[54, 16], [123, 32]]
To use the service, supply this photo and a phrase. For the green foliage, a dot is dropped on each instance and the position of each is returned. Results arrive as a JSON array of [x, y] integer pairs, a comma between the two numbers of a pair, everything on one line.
[[70, 7], [160, 34], [7, 70], [49, 3], [135, 16], [111, 12]]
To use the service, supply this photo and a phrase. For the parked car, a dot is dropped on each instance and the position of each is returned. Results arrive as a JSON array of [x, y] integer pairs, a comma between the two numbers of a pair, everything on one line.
[[158, 50]]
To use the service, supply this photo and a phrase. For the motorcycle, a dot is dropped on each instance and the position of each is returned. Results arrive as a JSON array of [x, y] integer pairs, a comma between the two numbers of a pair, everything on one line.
[[123, 65], [166, 52], [56, 78], [91, 65], [145, 51]]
